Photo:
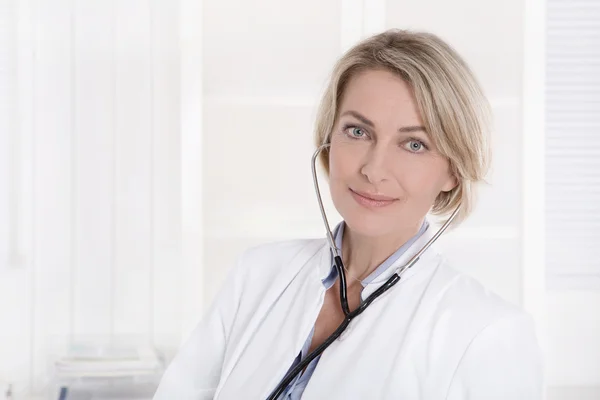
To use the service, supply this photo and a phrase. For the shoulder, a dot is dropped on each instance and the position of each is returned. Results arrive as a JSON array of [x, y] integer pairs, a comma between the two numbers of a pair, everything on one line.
[[268, 259], [469, 300], [489, 335], [281, 249], [499, 356], [466, 295]]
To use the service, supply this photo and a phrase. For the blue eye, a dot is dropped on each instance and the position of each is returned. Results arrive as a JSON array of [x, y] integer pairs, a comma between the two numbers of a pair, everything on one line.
[[415, 146], [357, 132]]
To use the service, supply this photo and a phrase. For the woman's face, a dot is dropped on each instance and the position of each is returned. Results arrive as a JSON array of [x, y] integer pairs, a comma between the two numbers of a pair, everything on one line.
[[384, 170]]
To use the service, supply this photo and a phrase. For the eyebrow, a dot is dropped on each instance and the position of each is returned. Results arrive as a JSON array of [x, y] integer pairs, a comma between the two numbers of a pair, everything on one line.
[[369, 123]]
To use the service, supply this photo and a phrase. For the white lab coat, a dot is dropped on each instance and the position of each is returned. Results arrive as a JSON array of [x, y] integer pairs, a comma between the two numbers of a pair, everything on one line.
[[437, 334]]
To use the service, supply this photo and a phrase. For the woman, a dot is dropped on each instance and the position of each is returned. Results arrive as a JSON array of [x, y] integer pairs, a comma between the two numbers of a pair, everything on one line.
[[406, 124]]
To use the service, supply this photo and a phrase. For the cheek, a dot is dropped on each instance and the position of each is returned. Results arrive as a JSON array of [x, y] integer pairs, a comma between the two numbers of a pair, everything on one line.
[[342, 162], [424, 180]]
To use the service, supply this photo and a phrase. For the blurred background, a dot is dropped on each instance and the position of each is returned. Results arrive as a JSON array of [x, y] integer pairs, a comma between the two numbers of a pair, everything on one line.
[[145, 143]]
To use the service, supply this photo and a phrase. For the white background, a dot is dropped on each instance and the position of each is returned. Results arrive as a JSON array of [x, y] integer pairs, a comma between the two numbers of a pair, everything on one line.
[[149, 142]]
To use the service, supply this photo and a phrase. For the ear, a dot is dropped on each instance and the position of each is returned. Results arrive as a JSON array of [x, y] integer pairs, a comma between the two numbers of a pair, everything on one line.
[[450, 183]]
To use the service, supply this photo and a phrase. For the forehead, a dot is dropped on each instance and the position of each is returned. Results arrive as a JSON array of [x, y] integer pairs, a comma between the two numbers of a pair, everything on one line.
[[381, 96]]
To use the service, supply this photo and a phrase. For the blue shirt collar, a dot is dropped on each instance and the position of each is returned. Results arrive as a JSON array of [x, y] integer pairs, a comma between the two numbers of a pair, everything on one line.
[[339, 234]]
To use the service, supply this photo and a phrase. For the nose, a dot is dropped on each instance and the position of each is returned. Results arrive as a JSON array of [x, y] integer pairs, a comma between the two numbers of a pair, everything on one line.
[[374, 167]]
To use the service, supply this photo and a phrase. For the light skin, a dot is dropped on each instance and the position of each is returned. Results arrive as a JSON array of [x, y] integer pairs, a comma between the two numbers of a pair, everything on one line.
[[385, 173]]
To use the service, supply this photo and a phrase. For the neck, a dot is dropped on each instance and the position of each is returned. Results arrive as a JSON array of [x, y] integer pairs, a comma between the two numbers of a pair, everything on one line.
[[363, 254]]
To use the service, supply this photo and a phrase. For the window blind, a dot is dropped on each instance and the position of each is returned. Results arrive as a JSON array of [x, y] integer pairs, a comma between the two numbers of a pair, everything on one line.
[[573, 143], [5, 46]]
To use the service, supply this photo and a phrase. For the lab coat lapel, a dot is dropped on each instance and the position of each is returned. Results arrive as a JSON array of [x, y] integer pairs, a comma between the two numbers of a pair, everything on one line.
[[270, 328]]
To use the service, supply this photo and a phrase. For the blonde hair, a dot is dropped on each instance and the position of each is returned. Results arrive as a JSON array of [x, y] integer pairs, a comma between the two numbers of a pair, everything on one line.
[[451, 103]]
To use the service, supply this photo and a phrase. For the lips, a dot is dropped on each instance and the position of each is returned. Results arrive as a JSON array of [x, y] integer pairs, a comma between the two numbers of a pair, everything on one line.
[[373, 196], [371, 200]]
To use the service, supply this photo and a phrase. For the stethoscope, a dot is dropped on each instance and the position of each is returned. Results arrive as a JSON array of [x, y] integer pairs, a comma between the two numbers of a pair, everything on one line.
[[339, 266]]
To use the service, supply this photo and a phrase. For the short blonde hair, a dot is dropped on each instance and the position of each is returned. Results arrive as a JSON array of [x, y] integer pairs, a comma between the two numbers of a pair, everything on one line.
[[454, 110]]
